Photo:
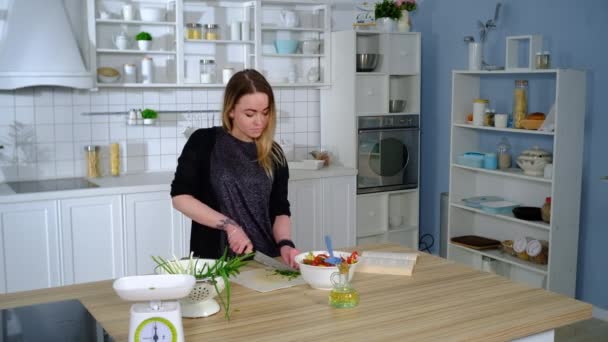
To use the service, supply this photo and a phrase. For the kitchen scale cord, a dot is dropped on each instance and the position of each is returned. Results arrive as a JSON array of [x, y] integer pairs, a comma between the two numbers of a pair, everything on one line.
[[425, 245]]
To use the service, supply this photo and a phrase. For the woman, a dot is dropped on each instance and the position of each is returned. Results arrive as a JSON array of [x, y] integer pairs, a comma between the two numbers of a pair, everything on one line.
[[232, 180]]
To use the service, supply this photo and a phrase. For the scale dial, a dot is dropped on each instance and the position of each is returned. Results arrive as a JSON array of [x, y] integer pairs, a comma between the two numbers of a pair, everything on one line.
[[156, 329]]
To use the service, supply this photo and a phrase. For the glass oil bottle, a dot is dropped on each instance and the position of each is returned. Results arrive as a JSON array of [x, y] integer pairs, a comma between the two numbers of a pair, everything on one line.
[[342, 295]]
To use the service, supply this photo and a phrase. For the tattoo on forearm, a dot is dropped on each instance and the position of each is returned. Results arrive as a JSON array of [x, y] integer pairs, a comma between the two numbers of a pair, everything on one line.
[[224, 223]]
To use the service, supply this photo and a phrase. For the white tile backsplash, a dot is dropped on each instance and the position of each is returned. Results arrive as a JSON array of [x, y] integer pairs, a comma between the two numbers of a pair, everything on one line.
[[44, 132]]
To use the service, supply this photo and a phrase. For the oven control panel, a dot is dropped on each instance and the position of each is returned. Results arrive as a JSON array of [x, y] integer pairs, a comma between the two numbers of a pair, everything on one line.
[[388, 121]]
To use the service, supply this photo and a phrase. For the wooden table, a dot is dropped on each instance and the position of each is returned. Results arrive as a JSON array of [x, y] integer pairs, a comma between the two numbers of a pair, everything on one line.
[[441, 301]]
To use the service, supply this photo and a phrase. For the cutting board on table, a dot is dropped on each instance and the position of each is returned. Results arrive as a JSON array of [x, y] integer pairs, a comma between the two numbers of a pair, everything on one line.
[[265, 280]]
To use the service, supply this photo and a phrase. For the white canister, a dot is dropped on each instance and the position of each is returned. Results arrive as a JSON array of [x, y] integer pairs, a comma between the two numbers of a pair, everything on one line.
[[235, 30], [500, 120], [227, 74], [127, 12], [548, 171], [479, 109], [475, 56], [130, 73], [245, 30], [147, 70]]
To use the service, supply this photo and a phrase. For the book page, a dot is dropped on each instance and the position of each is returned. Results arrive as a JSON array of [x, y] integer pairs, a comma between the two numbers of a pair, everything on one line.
[[387, 263]]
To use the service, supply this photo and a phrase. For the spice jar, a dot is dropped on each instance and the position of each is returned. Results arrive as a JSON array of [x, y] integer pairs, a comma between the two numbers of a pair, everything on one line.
[[545, 211], [207, 70], [538, 251], [92, 160], [519, 247], [194, 31], [488, 117], [504, 154], [520, 102], [211, 32]]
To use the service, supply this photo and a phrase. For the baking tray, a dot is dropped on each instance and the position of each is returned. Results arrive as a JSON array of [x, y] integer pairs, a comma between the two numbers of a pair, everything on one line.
[[475, 242]]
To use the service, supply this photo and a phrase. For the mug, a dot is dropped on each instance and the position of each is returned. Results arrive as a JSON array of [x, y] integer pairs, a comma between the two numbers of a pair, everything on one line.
[[500, 120], [127, 12], [121, 41], [292, 76]]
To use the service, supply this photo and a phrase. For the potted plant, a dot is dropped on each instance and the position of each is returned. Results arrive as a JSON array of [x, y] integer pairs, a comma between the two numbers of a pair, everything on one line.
[[210, 275], [387, 13], [406, 6], [144, 39], [149, 116]]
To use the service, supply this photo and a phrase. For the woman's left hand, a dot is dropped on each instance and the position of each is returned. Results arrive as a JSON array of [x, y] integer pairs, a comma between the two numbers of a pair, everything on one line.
[[288, 254]]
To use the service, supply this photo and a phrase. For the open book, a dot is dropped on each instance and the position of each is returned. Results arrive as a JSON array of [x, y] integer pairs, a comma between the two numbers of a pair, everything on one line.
[[387, 263]]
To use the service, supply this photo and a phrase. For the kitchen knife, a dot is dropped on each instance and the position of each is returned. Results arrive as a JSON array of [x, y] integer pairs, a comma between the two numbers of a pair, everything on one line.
[[271, 262]]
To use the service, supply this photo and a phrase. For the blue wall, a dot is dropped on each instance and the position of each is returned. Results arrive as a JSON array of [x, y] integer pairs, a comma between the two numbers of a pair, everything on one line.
[[575, 34]]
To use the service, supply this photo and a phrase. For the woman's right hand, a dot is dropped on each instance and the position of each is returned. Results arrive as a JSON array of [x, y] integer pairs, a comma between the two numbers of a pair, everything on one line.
[[238, 240]]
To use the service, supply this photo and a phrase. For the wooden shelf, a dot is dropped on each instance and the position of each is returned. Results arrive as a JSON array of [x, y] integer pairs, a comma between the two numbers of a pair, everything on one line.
[[134, 22], [511, 218], [506, 258], [507, 130], [514, 173]]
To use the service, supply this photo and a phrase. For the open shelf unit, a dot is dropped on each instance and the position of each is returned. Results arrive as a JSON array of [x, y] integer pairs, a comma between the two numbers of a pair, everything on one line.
[[176, 59], [566, 88]]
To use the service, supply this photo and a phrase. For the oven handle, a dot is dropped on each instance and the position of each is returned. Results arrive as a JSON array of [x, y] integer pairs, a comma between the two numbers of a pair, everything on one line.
[[387, 130]]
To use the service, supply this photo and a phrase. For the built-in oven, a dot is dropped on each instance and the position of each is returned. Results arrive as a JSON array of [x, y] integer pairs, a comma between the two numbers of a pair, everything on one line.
[[387, 153]]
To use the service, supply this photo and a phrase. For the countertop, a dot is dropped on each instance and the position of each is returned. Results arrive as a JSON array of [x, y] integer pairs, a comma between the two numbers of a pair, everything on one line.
[[146, 182], [441, 301]]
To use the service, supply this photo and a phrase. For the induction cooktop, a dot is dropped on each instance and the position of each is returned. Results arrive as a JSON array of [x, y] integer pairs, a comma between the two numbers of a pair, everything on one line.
[[57, 321], [51, 185]]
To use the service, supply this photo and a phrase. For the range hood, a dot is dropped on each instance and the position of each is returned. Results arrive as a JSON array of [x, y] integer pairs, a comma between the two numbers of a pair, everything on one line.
[[39, 48]]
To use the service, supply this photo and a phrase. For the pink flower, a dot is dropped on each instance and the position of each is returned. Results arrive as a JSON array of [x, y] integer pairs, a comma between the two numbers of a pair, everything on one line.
[[399, 2]]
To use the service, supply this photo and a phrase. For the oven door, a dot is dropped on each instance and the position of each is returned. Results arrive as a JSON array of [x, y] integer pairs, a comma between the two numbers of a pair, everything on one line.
[[387, 159]]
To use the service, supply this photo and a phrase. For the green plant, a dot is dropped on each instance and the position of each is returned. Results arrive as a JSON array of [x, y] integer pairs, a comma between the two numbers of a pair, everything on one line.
[[387, 9], [149, 114], [224, 267], [143, 36]]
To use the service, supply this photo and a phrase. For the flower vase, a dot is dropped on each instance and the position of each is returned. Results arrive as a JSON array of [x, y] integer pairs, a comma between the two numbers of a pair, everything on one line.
[[386, 24], [404, 23]]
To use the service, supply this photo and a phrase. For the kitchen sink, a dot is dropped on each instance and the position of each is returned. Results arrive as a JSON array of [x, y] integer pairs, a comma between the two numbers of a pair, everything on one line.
[[51, 185]]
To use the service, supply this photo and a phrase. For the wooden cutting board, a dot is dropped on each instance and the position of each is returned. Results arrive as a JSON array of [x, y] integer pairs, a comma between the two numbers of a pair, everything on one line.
[[475, 242], [264, 280]]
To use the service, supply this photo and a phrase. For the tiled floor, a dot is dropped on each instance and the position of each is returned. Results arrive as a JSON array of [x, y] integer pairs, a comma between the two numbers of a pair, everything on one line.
[[592, 330]]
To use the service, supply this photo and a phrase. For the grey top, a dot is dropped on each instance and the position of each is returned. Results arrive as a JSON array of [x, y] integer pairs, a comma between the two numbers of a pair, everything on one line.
[[243, 189]]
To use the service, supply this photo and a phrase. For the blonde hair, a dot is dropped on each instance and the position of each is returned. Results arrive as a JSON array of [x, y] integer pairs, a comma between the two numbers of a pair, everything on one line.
[[248, 82]]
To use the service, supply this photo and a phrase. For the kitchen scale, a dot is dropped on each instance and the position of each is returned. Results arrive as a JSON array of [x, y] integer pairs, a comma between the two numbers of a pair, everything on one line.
[[160, 319]]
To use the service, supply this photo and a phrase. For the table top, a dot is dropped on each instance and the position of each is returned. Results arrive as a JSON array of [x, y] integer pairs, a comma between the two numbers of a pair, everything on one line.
[[441, 301]]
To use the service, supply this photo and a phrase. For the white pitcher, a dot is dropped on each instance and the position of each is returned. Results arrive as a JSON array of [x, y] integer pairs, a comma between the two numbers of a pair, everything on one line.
[[121, 41], [289, 18]]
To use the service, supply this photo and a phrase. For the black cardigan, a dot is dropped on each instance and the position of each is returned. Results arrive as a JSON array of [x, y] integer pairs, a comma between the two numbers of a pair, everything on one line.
[[193, 177]]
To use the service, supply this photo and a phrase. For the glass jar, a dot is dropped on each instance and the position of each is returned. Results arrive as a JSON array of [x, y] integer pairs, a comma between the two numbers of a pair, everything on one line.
[[92, 160], [211, 32], [115, 159], [207, 71], [545, 211], [504, 154], [194, 31], [342, 294], [520, 102], [546, 60]]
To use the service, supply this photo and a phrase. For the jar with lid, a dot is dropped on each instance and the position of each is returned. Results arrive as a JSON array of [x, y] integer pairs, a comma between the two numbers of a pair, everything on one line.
[[538, 251], [542, 60], [504, 154], [545, 211], [488, 117], [211, 32], [520, 102], [546, 60], [92, 160], [194, 31], [207, 71]]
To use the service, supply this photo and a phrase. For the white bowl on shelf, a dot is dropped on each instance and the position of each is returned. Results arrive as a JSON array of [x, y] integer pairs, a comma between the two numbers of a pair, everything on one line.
[[151, 14]]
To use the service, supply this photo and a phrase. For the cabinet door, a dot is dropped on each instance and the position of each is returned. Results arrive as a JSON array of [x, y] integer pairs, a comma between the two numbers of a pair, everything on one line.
[[153, 228], [371, 94], [305, 200], [92, 237], [29, 248], [339, 195], [403, 54]]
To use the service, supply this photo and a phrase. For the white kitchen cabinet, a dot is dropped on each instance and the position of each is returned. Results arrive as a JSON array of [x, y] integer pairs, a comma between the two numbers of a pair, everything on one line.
[[92, 239], [322, 206], [29, 248], [566, 90], [152, 227]]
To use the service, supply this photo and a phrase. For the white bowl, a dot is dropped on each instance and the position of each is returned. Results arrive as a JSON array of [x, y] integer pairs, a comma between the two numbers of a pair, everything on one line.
[[107, 75], [318, 276], [151, 14]]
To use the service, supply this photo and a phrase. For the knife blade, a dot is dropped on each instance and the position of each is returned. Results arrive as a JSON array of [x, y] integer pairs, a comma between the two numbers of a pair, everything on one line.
[[271, 262]]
